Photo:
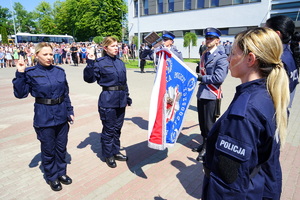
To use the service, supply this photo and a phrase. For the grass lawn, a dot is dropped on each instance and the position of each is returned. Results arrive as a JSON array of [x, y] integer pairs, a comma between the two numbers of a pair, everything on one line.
[[149, 64]]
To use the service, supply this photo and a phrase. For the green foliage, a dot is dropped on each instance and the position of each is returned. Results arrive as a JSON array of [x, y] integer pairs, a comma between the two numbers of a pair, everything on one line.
[[189, 38], [3, 33], [82, 19], [98, 39], [135, 40]]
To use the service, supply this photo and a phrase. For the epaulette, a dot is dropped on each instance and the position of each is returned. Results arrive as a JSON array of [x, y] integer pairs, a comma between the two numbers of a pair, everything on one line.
[[58, 67], [30, 68], [99, 59], [239, 106], [220, 52]]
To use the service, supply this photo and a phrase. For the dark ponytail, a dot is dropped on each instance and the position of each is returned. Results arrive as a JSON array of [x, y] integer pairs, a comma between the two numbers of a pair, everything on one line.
[[295, 48]]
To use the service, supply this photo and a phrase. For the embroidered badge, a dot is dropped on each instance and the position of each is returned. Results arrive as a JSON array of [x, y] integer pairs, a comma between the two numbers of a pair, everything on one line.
[[233, 147]]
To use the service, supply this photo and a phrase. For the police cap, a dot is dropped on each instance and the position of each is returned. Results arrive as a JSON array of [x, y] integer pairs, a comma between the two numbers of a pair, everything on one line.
[[212, 32], [168, 35]]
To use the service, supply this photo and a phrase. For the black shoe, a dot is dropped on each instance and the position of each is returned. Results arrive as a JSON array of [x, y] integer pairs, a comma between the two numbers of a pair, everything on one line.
[[111, 162], [65, 179], [197, 149], [201, 154], [55, 185], [120, 157]]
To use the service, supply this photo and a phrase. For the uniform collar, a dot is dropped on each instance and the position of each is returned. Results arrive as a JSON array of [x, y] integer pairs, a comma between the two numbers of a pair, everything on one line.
[[44, 68], [112, 58], [248, 85]]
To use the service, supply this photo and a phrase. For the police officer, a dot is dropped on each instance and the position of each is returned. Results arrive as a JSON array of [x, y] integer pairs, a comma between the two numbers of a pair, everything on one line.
[[243, 146], [110, 73], [168, 41], [212, 71], [52, 111], [285, 27]]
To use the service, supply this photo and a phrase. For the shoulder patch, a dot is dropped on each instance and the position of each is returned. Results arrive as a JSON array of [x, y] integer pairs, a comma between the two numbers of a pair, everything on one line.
[[234, 148], [240, 105]]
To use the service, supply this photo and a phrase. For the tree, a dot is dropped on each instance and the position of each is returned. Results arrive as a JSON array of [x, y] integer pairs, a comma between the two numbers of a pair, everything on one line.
[[24, 20], [3, 34], [44, 16], [188, 39], [98, 39], [88, 18], [5, 20]]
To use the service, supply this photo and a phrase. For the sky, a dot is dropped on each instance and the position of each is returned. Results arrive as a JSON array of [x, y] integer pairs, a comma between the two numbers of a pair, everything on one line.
[[28, 5]]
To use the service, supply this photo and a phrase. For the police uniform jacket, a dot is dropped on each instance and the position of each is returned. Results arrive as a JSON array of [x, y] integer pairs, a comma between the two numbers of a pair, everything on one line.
[[216, 68], [46, 83], [290, 67], [242, 143], [109, 72]]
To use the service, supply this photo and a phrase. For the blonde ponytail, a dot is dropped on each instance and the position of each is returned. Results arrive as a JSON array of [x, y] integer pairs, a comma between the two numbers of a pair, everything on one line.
[[277, 84], [267, 47]]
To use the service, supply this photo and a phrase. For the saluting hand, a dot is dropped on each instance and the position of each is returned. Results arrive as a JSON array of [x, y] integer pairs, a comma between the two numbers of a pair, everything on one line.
[[21, 64], [91, 56]]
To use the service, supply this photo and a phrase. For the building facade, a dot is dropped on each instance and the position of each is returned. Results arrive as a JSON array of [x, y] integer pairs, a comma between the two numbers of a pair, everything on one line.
[[182, 16]]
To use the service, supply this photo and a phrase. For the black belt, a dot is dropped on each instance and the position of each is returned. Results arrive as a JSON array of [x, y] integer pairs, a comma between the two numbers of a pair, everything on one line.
[[49, 101], [114, 88]]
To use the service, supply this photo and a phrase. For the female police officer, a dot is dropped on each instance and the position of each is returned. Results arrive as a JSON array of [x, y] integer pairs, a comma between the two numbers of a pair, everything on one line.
[[110, 73], [52, 111], [243, 146], [285, 28]]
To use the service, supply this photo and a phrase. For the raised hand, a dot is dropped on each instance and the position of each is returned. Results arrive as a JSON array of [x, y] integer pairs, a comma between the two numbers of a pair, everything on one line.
[[21, 64], [91, 56]]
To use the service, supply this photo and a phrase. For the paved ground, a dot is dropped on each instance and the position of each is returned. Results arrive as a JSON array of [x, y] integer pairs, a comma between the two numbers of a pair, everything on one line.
[[173, 174]]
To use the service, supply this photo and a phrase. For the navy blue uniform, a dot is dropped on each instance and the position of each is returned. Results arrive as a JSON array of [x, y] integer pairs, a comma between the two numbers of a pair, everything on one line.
[[110, 73], [243, 148], [291, 69], [50, 120]]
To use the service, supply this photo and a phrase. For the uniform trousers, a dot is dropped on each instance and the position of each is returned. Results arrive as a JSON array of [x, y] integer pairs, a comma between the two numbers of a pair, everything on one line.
[[206, 115], [112, 121], [53, 149]]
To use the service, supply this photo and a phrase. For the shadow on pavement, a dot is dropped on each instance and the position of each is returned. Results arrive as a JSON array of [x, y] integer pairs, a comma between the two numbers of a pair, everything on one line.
[[190, 177], [143, 124], [140, 155], [37, 161], [94, 141]]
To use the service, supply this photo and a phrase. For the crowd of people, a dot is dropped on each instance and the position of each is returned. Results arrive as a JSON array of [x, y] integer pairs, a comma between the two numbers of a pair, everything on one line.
[[240, 151], [72, 54]]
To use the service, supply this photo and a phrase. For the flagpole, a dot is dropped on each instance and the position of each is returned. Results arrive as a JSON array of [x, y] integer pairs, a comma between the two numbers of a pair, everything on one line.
[[16, 40]]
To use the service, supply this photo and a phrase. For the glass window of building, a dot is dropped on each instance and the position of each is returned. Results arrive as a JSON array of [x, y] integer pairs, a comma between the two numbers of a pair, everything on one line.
[[237, 1], [295, 16], [255, 0], [146, 10], [188, 4], [135, 8], [200, 3], [160, 6], [171, 5], [214, 3], [286, 5]]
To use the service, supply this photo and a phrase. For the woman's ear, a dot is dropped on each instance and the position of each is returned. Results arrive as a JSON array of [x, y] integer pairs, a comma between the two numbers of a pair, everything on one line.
[[251, 59]]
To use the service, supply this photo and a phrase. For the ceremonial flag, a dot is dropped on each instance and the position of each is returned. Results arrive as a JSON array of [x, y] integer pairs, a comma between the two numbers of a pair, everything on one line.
[[171, 95]]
